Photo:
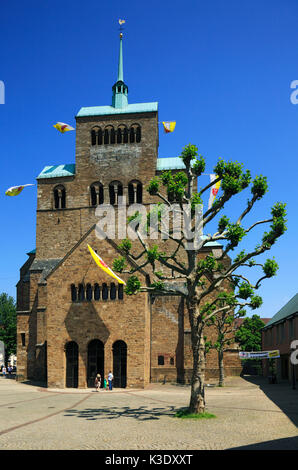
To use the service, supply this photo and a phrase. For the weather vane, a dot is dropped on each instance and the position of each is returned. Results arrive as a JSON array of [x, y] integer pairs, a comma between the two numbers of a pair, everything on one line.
[[121, 22]]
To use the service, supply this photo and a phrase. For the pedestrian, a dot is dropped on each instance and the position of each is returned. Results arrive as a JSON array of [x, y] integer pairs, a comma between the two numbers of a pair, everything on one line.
[[105, 383], [110, 380], [4, 371], [9, 371], [97, 382]]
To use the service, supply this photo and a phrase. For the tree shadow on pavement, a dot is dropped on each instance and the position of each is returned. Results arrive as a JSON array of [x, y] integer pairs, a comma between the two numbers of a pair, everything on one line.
[[288, 443], [282, 394], [141, 414]]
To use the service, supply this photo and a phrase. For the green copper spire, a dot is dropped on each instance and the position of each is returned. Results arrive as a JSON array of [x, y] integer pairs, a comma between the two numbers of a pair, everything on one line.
[[120, 62], [120, 90]]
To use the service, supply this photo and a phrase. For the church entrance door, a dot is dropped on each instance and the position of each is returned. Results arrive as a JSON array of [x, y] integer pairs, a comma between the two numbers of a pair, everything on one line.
[[95, 361], [72, 364], [120, 364]]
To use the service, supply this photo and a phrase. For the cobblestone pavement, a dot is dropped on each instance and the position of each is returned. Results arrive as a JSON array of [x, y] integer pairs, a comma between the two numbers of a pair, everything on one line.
[[249, 414]]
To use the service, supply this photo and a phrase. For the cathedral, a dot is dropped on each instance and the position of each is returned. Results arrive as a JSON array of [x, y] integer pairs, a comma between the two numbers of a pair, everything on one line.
[[73, 320]]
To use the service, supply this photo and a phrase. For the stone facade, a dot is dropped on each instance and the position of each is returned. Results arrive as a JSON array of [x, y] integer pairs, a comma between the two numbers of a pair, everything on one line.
[[141, 338]]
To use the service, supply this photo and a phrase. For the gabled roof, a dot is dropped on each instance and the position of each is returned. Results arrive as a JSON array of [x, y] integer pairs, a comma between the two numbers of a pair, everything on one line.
[[286, 311], [58, 171], [109, 110]]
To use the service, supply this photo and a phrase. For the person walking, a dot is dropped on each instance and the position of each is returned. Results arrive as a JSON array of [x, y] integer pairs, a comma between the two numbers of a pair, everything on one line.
[[110, 380], [97, 382], [4, 371]]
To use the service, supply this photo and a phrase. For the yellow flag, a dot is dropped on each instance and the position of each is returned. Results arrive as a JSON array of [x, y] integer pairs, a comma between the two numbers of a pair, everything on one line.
[[103, 266], [16, 190], [62, 127], [169, 126]]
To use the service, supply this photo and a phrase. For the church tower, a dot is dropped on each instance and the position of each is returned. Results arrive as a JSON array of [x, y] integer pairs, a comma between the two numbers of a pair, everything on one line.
[[73, 320], [116, 155]]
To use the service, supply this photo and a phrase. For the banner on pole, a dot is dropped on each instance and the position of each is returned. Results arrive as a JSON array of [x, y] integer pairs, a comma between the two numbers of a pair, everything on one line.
[[259, 354]]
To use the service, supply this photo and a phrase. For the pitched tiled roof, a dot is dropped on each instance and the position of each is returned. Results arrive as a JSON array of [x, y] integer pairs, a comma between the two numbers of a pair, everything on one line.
[[286, 311]]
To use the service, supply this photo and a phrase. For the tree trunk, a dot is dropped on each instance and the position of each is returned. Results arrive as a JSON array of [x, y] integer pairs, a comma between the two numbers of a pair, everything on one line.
[[197, 398], [221, 368]]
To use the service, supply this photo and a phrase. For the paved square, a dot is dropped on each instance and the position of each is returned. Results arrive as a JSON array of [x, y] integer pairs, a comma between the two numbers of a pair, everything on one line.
[[250, 413]]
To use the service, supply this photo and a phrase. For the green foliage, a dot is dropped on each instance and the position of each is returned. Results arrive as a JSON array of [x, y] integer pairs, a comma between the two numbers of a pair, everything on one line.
[[159, 274], [259, 186], [158, 285], [199, 166], [277, 227], [135, 217], [125, 245], [245, 291], [270, 267], [256, 302], [119, 264], [240, 256], [189, 153], [8, 324], [209, 264], [175, 184], [133, 285], [233, 179], [235, 233], [226, 298], [249, 334], [153, 254], [278, 210], [223, 223], [195, 200], [153, 186]]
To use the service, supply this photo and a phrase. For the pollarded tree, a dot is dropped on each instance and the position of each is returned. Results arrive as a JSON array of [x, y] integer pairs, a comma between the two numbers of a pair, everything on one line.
[[179, 268]]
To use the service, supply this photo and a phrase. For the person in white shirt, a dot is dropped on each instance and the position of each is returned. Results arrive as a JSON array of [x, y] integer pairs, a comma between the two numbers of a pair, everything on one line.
[[110, 380]]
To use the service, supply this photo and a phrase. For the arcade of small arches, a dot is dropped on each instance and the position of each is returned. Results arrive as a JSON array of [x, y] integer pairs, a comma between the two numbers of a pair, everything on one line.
[[96, 292], [100, 195], [122, 135], [96, 363]]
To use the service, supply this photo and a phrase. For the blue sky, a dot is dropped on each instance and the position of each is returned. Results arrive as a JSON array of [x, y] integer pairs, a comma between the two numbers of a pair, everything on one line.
[[221, 70]]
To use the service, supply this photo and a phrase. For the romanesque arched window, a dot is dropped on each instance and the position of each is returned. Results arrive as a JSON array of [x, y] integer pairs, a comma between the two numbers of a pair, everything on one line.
[[109, 135], [59, 197], [131, 135], [96, 292], [96, 136], [120, 291], [113, 292], [99, 137], [138, 134], [106, 137], [115, 190], [93, 137], [119, 136], [112, 136], [135, 192], [125, 135], [81, 293], [96, 194], [74, 297], [135, 133], [105, 292], [89, 292]]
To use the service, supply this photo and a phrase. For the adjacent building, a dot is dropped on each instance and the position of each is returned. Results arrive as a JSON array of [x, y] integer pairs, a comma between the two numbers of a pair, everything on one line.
[[280, 333]]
